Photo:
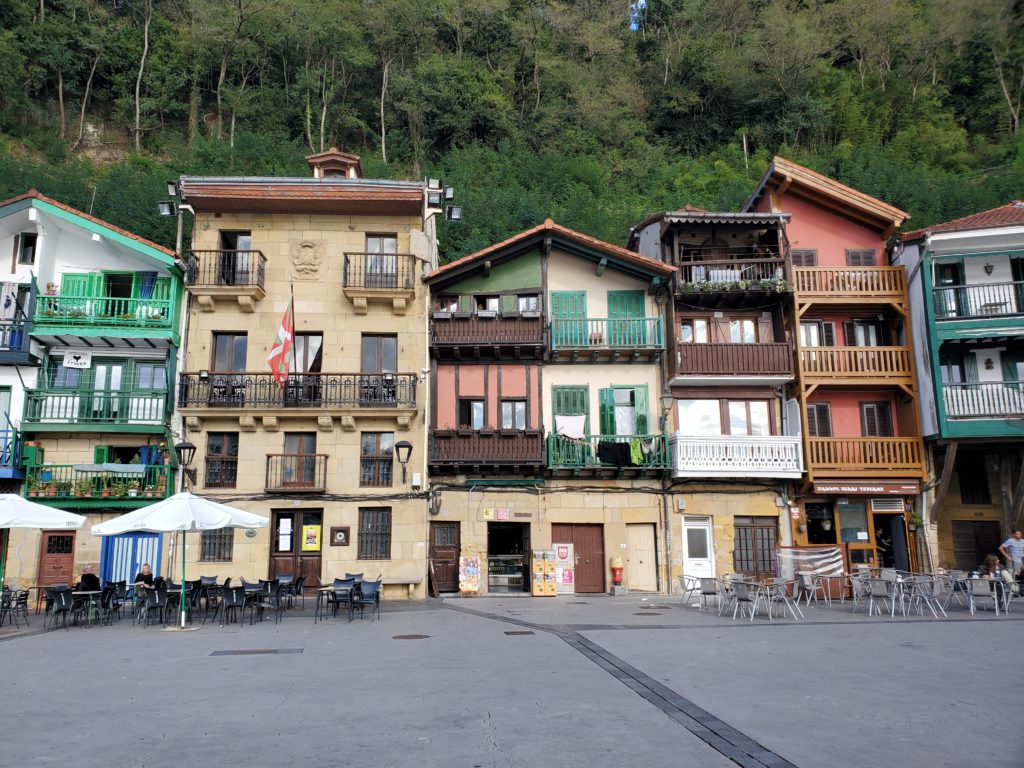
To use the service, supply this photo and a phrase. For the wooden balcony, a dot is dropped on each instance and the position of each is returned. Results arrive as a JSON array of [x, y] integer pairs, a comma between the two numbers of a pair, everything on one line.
[[723, 363], [736, 456], [857, 366], [732, 277], [491, 452], [322, 395], [122, 410], [462, 336], [865, 457], [989, 400], [76, 486], [592, 340], [607, 455], [226, 274], [296, 473], [969, 302], [843, 285], [388, 278]]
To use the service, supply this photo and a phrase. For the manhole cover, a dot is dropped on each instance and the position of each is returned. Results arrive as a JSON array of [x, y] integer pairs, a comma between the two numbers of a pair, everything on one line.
[[518, 632], [647, 613], [409, 637], [256, 651]]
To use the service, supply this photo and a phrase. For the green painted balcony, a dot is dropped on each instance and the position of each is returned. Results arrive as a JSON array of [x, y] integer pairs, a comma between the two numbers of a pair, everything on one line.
[[89, 486], [608, 454], [84, 315], [125, 410], [603, 339]]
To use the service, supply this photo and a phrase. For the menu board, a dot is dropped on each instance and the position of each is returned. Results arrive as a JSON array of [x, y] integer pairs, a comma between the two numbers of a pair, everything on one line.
[[565, 569], [543, 570], [469, 575]]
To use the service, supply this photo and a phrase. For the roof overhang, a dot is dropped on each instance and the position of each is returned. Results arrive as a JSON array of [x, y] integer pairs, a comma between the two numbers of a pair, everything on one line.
[[301, 195], [975, 241]]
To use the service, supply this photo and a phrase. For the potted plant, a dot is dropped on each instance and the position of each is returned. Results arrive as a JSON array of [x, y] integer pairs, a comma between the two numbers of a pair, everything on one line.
[[465, 430], [132, 488], [915, 522], [63, 487], [105, 491], [486, 430], [148, 492], [51, 489], [83, 488], [33, 485]]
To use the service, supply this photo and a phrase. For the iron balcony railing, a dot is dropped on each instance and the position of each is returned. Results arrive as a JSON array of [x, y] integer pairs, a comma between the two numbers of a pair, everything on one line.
[[486, 330], [956, 302], [126, 406], [744, 272], [105, 311], [303, 390], [296, 472], [602, 333], [768, 359], [988, 400], [736, 456], [376, 471], [846, 455], [14, 335], [92, 483], [380, 270], [221, 472], [501, 447], [226, 268], [10, 448], [608, 451]]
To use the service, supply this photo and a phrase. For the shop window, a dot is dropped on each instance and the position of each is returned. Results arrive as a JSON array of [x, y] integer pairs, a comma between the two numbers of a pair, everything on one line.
[[374, 533], [820, 524], [217, 546], [754, 548]]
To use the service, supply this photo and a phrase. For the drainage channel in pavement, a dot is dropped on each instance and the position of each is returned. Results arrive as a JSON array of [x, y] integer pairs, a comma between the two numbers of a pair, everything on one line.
[[719, 735], [256, 651]]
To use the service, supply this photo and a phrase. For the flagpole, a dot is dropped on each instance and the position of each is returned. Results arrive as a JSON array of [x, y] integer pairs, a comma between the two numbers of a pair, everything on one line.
[[295, 353]]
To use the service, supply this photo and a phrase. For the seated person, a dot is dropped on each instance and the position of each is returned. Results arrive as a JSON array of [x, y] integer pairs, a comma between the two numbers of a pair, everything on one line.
[[90, 581], [145, 576], [990, 568]]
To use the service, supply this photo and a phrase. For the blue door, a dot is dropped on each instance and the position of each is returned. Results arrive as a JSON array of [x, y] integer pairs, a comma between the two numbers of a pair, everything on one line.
[[122, 556]]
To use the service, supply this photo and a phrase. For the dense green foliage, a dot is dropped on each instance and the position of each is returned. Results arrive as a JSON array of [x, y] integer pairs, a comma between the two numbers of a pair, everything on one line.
[[593, 112]]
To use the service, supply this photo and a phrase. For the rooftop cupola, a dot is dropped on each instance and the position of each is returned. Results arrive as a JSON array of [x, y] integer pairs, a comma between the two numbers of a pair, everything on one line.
[[335, 164]]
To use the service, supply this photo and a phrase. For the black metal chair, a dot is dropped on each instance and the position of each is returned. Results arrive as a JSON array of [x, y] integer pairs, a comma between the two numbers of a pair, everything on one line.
[[341, 596], [232, 603], [60, 601], [108, 603], [368, 596], [296, 591], [356, 577], [155, 603], [7, 607], [21, 605]]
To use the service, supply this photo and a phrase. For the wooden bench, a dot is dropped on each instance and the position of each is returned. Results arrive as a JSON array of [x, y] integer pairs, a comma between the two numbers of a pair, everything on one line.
[[409, 582]]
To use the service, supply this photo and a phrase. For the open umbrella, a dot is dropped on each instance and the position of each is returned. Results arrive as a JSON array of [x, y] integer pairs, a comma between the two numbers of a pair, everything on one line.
[[18, 512], [181, 512]]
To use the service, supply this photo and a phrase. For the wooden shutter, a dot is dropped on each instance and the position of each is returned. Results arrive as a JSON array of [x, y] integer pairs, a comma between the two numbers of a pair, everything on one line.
[[819, 420], [17, 252], [765, 328], [876, 419], [804, 257], [642, 410], [509, 303], [100, 454], [606, 410], [860, 257], [850, 331], [572, 401], [828, 334]]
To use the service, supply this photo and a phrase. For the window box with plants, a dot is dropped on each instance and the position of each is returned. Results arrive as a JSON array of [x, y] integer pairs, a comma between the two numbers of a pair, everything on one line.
[[464, 430], [486, 314], [486, 431], [444, 433], [83, 488]]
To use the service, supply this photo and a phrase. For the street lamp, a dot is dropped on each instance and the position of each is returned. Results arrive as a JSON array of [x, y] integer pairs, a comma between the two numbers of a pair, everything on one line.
[[167, 208], [403, 450], [186, 453], [666, 407]]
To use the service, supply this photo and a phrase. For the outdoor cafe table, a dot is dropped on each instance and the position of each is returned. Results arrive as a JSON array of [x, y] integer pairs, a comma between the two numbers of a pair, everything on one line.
[[90, 594], [321, 595]]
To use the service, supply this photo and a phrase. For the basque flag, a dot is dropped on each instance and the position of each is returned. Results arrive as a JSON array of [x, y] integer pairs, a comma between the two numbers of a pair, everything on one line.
[[278, 357]]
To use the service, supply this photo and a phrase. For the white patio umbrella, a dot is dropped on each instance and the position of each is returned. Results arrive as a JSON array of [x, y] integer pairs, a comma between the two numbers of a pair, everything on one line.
[[181, 512], [19, 512]]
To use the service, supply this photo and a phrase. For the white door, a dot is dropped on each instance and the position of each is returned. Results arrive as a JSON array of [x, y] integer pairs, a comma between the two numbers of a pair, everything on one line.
[[698, 547], [640, 572]]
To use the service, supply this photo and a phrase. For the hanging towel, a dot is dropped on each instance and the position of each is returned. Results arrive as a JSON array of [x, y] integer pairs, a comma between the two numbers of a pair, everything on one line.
[[647, 447], [607, 452], [636, 456], [570, 426]]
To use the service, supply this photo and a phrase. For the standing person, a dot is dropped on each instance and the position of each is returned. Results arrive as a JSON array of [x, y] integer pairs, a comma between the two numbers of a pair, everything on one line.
[[1013, 550], [90, 581]]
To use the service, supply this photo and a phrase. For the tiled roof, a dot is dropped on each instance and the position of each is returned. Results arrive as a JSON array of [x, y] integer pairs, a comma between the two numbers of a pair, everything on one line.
[[36, 195], [571, 235], [1009, 215], [300, 195]]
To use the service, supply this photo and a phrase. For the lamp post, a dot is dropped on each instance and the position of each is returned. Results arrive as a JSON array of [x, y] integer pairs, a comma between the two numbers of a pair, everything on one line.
[[403, 450], [666, 407], [186, 452], [173, 208]]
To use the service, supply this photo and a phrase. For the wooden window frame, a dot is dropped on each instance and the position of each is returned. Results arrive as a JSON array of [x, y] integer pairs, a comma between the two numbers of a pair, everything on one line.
[[880, 406], [856, 256], [213, 349], [223, 460], [813, 426], [381, 236], [513, 401], [804, 257], [376, 469]]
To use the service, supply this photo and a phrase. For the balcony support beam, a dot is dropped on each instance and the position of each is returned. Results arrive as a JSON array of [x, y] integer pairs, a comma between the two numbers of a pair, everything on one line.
[[947, 473]]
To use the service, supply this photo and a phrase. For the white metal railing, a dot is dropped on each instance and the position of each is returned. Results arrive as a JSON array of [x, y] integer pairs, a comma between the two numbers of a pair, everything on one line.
[[989, 400], [736, 456]]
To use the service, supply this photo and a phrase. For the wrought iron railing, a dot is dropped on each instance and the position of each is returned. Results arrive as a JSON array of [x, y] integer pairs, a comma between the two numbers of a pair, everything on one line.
[[380, 270], [602, 333], [296, 472], [125, 406], [376, 472], [104, 311], [501, 447], [226, 268], [595, 451], [954, 302], [303, 390], [734, 359], [10, 447], [852, 454], [737, 456], [73, 483], [988, 400]]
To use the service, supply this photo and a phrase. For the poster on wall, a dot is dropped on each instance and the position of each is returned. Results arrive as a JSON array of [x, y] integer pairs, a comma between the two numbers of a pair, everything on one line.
[[543, 571], [565, 569], [311, 538], [469, 575]]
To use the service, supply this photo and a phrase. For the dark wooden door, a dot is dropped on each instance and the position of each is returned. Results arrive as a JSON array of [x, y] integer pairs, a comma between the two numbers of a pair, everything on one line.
[[292, 549], [973, 540], [444, 552], [588, 545], [57, 558]]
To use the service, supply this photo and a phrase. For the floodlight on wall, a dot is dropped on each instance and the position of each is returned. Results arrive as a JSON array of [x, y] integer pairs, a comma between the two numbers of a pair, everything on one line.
[[204, 375], [449, 193], [172, 188], [433, 199], [453, 213], [167, 208], [433, 183]]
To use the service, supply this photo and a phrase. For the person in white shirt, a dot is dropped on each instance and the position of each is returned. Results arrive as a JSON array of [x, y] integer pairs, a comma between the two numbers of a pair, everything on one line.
[[1013, 550]]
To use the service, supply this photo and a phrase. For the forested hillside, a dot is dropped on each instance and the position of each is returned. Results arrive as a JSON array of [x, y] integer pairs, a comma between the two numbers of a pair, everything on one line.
[[590, 111]]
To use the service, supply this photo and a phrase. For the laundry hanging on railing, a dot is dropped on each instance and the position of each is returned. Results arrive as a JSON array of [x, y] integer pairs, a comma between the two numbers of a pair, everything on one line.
[[8, 301], [570, 426]]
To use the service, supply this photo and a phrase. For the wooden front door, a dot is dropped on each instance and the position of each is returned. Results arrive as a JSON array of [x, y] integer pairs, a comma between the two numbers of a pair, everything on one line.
[[972, 540], [444, 553], [57, 558], [296, 539], [641, 573], [588, 545]]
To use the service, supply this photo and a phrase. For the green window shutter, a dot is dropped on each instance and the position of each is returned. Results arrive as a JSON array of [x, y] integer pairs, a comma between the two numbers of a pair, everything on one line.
[[571, 401], [100, 454], [75, 285], [642, 410], [606, 407], [509, 302], [97, 284], [465, 303]]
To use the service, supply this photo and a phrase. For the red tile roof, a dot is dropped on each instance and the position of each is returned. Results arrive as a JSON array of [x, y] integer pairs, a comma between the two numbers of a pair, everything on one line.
[[1009, 215], [36, 195], [568, 234], [321, 196]]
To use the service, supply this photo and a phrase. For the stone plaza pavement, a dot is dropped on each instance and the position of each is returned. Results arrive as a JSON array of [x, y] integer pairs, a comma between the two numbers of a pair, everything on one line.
[[569, 681]]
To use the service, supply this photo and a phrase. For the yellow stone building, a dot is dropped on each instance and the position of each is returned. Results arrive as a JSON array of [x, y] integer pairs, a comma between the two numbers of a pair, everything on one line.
[[335, 456]]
